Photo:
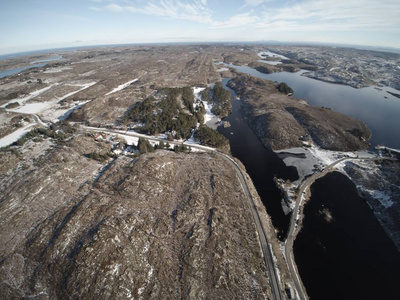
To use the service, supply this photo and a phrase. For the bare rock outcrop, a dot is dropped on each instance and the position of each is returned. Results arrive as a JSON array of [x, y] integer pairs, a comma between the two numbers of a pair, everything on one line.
[[160, 226]]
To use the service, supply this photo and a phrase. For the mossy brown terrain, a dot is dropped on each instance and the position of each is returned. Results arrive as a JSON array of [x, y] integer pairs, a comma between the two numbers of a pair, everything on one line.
[[281, 121], [163, 225]]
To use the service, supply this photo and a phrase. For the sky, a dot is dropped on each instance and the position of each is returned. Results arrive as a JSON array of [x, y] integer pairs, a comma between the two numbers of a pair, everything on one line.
[[27, 25]]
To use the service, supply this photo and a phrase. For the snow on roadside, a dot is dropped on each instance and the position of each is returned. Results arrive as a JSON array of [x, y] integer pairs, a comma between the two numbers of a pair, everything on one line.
[[325, 157], [15, 136], [122, 86], [130, 140], [62, 114]]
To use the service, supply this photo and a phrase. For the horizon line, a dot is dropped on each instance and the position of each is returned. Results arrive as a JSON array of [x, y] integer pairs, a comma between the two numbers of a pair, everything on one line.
[[274, 42]]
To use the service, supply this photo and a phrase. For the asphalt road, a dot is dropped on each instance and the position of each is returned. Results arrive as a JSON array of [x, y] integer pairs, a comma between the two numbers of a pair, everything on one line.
[[272, 274], [292, 231]]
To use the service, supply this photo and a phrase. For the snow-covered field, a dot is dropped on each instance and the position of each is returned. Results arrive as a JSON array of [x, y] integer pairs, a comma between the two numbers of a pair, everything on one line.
[[122, 86], [210, 119], [21, 101], [50, 109]]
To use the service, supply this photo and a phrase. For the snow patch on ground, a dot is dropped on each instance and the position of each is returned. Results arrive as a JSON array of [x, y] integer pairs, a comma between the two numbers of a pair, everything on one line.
[[210, 119], [273, 63], [130, 140], [57, 70], [15, 136], [384, 199], [63, 114], [32, 108], [223, 69], [325, 157], [51, 109], [270, 54], [21, 101], [122, 86]]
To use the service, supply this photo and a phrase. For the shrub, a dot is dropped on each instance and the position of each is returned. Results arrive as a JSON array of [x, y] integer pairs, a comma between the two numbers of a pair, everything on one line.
[[284, 88]]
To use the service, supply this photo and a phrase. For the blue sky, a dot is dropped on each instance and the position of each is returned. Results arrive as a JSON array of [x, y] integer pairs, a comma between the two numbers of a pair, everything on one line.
[[39, 24]]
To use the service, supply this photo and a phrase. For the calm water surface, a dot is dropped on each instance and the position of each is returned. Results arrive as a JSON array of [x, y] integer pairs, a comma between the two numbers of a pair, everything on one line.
[[350, 257], [17, 70], [34, 64]]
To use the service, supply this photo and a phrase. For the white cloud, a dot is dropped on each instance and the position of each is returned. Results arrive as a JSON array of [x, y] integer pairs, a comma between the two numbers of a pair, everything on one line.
[[333, 15], [237, 21], [194, 11], [114, 8], [318, 15], [253, 3]]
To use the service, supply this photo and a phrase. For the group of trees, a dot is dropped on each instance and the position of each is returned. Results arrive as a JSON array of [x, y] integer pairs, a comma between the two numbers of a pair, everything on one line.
[[221, 101], [59, 132], [210, 137], [284, 88], [101, 157], [181, 148], [166, 114], [144, 146], [219, 98]]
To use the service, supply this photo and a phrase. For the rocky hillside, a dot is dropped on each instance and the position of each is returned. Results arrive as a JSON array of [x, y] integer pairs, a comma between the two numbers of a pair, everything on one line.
[[160, 226], [283, 122]]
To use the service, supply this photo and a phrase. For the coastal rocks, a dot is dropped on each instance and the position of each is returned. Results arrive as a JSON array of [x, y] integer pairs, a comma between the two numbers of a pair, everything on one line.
[[225, 124]]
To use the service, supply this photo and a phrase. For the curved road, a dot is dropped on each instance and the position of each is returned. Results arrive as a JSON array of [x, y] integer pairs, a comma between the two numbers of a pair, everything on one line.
[[266, 250]]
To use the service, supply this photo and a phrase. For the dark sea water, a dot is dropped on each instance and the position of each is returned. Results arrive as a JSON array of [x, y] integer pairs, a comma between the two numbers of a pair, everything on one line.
[[350, 257]]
